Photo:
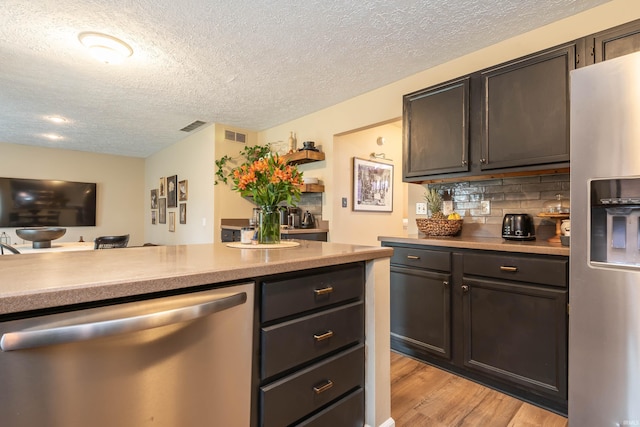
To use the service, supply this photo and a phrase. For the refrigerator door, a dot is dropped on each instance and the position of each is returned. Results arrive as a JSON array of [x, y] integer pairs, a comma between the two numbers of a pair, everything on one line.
[[604, 320]]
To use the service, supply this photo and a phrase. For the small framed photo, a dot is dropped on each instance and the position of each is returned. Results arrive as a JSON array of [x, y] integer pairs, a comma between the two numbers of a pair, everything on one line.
[[153, 217], [183, 190], [172, 191], [172, 221], [154, 198], [183, 213], [162, 210], [372, 186], [162, 187]]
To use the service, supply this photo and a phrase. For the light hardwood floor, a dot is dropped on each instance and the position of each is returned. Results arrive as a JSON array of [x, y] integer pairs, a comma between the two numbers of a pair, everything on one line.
[[422, 395]]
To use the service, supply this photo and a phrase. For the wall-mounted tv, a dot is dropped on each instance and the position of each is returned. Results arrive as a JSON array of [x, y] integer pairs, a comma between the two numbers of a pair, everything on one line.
[[46, 203]]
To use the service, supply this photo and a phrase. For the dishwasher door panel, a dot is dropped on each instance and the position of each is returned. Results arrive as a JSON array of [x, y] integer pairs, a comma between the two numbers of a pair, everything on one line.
[[191, 373]]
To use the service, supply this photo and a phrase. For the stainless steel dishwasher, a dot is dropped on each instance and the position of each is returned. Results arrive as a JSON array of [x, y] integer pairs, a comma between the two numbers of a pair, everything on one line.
[[175, 361]]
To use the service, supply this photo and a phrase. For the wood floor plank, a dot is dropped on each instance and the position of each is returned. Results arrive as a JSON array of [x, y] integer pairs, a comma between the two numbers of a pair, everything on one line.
[[423, 395]]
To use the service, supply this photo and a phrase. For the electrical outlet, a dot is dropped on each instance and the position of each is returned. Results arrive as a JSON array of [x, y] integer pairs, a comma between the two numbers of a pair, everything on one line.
[[421, 208], [344, 202], [485, 207], [447, 207]]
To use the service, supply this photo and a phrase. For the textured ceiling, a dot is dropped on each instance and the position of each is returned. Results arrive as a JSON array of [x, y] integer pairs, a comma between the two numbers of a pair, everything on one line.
[[252, 64]]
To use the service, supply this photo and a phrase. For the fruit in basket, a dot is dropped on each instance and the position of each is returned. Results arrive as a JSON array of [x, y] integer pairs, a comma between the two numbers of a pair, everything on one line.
[[434, 202], [454, 216]]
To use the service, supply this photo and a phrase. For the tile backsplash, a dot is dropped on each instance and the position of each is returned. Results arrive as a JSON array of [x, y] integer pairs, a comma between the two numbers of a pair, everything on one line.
[[506, 195]]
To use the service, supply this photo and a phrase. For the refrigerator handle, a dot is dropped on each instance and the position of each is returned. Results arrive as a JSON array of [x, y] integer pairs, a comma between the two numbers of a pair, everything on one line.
[[45, 335]]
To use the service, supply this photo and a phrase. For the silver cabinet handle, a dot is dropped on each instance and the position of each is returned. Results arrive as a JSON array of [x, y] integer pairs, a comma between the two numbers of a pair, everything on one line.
[[509, 269], [413, 257], [326, 386], [322, 337], [46, 335], [323, 291], [465, 288]]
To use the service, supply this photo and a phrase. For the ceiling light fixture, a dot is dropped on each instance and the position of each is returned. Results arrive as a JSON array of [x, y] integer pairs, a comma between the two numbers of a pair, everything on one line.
[[105, 48], [56, 119], [52, 136]]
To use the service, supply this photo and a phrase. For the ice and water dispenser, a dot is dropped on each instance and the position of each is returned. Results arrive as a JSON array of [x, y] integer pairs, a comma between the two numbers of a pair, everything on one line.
[[615, 221]]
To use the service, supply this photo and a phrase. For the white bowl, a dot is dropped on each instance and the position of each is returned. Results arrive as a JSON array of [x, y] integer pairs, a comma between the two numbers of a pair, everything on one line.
[[309, 180]]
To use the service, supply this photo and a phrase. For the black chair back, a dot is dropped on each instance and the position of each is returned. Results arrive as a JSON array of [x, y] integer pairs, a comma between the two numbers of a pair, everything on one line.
[[9, 248], [110, 242]]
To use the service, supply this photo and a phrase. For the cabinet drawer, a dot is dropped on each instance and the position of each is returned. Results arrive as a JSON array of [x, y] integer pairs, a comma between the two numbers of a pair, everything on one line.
[[291, 343], [291, 398], [291, 296], [422, 258], [544, 271], [347, 412]]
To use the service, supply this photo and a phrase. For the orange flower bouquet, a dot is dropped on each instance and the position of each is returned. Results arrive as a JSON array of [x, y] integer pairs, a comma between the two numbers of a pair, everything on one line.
[[270, 181]]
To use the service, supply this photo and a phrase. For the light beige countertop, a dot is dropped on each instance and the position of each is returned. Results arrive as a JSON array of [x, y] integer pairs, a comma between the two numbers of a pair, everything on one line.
[[60, 278], [538, 246]]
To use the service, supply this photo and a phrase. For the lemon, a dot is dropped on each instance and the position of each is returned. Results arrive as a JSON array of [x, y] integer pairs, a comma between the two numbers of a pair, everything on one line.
[[454, 215]]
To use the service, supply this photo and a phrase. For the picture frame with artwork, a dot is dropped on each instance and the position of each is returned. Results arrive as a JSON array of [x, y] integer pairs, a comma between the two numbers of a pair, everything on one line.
[[154, 198], [183, 190], [172, 221], [162, 210], [162, 187], [153, 217], [172, 191], [372, 186], [183, 213]]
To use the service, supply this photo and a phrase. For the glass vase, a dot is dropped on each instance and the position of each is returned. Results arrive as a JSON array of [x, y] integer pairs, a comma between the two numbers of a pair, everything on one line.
[[269, 227]]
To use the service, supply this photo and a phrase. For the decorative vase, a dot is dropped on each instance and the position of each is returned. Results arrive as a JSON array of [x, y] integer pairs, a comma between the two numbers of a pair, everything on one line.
[[269, 227]]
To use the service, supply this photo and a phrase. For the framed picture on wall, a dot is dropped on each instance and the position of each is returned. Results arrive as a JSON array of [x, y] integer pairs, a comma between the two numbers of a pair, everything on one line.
[[162, 187], [162, 210], [153, 217], [172, 221], [183, 213], [183, 190], [372, 186], [172, 191], [154, 198]]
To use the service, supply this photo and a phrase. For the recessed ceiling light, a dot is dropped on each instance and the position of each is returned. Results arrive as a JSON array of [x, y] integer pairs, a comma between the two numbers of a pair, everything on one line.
[[56, 119], [105, 48], [52, 136]]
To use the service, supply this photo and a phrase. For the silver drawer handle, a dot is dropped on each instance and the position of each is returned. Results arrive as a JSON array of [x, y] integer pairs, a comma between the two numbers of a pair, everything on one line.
[[413, 257], [323, 291], [323, 387], [324, 336], [507, 268]]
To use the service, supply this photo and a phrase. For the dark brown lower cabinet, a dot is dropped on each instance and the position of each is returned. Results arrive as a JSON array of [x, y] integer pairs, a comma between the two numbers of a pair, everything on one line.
[[499, 318], [310, 336]]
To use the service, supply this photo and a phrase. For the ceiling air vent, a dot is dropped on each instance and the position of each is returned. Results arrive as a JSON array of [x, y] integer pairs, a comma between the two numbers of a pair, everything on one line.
[[193, 126], [230, 135]]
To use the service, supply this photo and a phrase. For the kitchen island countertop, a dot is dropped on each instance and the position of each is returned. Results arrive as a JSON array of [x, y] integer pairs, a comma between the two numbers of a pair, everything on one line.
[[538, 246], [47, 280]]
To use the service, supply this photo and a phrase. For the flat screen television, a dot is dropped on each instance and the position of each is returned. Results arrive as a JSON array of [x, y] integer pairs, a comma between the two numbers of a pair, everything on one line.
[[46, 203]]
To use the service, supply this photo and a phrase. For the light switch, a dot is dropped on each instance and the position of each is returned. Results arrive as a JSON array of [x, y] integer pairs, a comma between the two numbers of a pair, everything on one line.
[[344, 202]]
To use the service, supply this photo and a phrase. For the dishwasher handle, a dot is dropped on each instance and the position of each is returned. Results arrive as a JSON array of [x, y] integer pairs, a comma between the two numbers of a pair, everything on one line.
[[45, 336]]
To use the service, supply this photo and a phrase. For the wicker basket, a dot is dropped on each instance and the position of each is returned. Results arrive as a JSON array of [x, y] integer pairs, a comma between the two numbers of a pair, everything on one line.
[[439, 227]]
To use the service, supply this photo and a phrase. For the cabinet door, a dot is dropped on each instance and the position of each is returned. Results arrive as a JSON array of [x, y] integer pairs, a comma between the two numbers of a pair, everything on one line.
[[420, 311], [436, 130], [525, 111], [517, 333], [615, 42]]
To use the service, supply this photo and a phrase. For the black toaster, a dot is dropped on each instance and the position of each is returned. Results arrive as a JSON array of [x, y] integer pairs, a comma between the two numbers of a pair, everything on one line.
[[518, 227]]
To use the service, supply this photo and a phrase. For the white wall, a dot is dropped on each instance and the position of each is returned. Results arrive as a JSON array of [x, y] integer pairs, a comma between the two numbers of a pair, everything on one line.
[[358, 227], [385, 103], [120, 183], [191, 159]]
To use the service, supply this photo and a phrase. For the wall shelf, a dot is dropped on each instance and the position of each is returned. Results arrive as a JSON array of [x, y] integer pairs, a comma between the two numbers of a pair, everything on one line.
[[303, 156]]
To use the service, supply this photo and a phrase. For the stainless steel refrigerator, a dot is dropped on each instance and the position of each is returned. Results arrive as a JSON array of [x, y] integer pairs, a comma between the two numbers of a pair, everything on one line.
[[604, 290]]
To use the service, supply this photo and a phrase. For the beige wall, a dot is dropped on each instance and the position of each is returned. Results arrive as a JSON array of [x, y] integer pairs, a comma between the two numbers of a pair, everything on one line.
[[385, 103], [191, 159], [120, 182], [359, 227]]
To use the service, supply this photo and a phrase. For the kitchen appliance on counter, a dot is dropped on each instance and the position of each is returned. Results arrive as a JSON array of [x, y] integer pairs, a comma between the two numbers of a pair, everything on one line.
[[182, 360], [518, 227], [604, 287], [294, 217], [307, 220]]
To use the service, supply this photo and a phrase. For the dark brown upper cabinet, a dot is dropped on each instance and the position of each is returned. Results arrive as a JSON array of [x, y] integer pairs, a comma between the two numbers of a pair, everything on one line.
[[615, 42], [436, 130], [525, 110]]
